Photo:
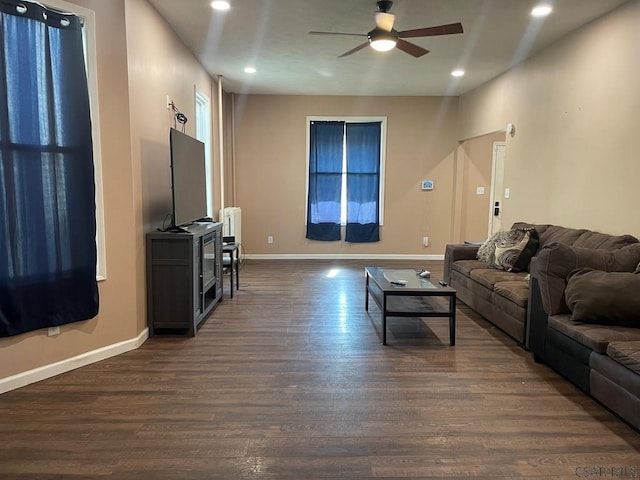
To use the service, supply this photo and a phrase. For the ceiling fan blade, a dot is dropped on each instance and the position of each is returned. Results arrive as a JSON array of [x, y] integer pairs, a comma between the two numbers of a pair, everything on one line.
[[384, 20], [354, 50], [338, 33], [449, 29], [411, 48]]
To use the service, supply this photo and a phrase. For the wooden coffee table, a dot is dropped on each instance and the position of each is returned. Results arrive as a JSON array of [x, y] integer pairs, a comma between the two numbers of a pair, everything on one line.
[[417, 298]]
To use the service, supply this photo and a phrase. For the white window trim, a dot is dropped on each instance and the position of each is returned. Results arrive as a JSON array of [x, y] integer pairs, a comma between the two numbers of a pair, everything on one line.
[[383, 149], [91, 63], [203, 133]]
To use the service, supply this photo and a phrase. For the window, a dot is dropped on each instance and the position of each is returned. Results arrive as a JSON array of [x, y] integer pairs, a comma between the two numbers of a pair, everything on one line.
[[345, 178], [91, 65], [48, 195]]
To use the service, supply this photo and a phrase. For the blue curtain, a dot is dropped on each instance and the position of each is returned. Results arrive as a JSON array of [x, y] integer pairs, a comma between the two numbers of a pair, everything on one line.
[[47, 191], [325, 180], [363, 182]]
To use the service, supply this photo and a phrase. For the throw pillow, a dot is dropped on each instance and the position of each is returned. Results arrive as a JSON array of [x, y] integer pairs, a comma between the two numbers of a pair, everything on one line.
[[608, 298], [514, 252], [487, 252]]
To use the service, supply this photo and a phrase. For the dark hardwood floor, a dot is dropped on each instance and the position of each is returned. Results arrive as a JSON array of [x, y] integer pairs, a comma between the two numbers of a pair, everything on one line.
[[288, 380]]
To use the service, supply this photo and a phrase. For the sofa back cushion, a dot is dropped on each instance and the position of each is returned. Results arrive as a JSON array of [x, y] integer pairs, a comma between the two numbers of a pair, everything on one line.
[[554, 262], [552, 233], [582, 238], [602, 241]]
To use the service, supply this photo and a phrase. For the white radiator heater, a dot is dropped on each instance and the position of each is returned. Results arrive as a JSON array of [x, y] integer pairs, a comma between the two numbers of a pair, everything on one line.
[[231, 218]]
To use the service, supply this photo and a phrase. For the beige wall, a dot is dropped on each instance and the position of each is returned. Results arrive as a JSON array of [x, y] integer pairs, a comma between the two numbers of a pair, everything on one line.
[[230, 174], [160, 66], [270, 144], [576, 108]]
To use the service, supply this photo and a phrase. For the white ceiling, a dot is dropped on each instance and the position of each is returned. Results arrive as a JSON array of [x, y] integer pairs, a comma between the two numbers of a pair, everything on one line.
[[272, 36]]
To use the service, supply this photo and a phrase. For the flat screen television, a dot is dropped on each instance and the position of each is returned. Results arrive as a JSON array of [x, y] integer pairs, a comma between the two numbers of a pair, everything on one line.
[[188, 179]]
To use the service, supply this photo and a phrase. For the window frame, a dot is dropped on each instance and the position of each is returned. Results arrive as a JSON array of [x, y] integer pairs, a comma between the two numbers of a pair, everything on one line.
[[383, 148], [91, 66], [202, 108]]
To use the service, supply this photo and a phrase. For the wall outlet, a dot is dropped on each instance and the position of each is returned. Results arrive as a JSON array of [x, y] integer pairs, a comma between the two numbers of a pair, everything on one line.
[[53, 331], [425, 241], [270, 239]]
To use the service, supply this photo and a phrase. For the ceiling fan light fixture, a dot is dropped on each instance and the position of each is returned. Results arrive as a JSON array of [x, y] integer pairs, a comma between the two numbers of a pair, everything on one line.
[[382, 41]]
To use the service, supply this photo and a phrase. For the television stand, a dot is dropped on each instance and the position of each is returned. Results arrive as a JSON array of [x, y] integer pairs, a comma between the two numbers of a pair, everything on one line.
[[184, 278]]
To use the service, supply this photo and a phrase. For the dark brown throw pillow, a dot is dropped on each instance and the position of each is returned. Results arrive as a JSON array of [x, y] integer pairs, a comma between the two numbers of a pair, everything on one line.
[[607, 298], [514, 252]]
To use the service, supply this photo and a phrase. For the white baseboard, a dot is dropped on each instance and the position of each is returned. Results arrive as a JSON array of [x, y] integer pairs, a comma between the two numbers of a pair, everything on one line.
[[340, 256], [48, 371]]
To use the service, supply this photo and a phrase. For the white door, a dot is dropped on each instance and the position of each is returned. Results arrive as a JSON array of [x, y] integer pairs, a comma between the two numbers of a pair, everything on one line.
[[497, 187]]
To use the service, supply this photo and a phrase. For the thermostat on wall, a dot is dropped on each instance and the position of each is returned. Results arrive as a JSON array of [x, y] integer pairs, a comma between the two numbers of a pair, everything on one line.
[[427, 185]]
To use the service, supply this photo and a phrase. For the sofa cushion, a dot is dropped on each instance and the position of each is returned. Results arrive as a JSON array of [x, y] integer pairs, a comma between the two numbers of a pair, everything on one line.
[[626, 353], [616, 387], [553, 263], [514, 252], [490, 276], [603, 241], [474, 289], [582, 238], [515, 290], [552, 233], [465, 267], [608, 298], [594, 336]]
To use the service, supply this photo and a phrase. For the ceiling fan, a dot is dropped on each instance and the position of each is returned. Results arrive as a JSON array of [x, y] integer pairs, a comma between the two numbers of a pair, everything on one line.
[[384, 37]]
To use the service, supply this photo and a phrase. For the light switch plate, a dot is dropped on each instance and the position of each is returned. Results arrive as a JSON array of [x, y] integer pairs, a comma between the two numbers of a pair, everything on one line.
[[507, 192], [480, 191]]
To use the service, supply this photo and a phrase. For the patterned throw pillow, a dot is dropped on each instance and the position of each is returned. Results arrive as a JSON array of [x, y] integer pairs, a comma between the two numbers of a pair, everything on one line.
[[487, 252], [514, 253]]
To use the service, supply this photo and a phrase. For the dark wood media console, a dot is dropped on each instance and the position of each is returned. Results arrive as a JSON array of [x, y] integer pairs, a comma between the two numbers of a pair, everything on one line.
[[184, 278]]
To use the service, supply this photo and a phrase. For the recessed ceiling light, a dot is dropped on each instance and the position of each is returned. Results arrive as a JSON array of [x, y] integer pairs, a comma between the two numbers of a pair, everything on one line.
[[457, 73], [541, 10], [249, 70], [220, 5]]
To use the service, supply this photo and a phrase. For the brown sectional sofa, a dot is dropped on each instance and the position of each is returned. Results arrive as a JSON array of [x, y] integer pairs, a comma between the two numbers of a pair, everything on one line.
[[499, 296], [602, 360]]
